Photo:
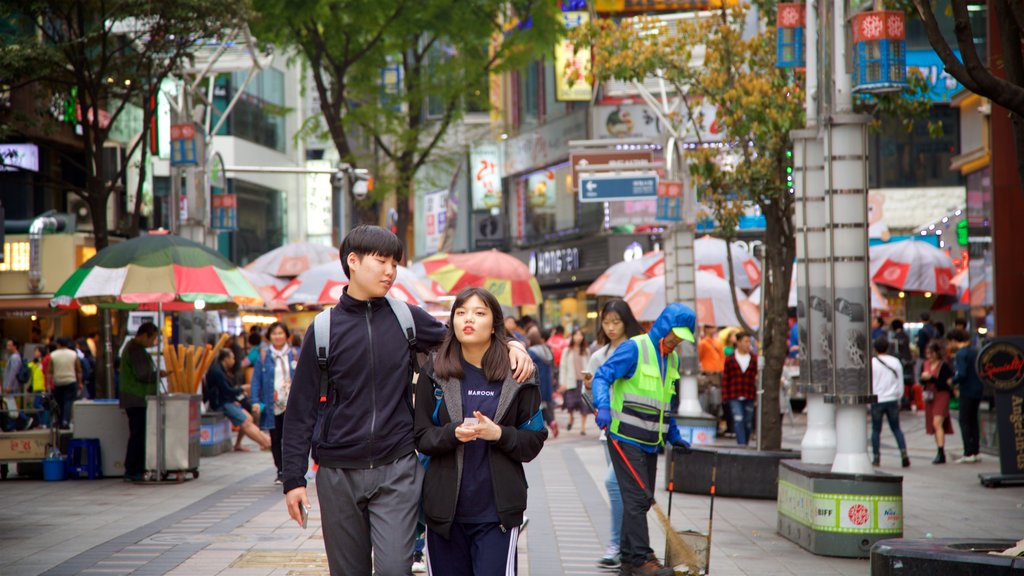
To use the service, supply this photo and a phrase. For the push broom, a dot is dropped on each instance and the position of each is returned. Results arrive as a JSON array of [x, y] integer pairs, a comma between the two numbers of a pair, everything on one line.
[[676, 547]]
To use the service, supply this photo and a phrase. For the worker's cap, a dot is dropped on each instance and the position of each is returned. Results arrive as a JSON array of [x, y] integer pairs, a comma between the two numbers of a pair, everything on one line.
[[683, 333]]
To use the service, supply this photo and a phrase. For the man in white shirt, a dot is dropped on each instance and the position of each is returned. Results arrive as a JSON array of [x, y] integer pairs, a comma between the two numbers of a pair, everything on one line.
[[887, 384]]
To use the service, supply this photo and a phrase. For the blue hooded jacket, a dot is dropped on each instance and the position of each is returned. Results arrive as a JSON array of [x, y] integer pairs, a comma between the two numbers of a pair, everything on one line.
[[623, 362]]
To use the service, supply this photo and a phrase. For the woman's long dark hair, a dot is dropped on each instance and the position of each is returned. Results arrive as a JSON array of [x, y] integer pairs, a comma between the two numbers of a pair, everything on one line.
[[496, 366], [620, 307]]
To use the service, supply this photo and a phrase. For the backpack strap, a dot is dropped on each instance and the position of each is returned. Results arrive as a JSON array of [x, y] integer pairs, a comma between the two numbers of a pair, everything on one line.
[[404, 315], [322, 341]]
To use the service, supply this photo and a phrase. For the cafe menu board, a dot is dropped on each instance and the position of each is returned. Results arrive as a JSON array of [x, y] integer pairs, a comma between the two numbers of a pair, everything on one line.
[[1001, 367]]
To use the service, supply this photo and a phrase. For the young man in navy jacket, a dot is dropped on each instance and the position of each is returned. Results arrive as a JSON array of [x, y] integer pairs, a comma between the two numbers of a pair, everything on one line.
[[369, 478]]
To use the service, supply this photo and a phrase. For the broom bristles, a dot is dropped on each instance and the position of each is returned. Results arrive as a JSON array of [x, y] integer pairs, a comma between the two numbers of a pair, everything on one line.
[[679, 548]]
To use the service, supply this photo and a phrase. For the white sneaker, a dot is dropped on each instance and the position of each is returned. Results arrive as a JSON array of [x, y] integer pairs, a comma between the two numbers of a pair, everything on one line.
[[967, 459], [419, 567]]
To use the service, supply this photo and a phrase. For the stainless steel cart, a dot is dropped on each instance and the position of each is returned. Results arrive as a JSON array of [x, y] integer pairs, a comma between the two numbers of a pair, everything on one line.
[[180, 434]]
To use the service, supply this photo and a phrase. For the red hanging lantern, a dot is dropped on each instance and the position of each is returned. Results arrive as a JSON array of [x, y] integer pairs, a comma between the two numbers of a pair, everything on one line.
[[879, 51]]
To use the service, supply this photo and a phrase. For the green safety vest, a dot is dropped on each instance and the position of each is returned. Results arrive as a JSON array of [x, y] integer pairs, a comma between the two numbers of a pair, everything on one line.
[[640, 402]]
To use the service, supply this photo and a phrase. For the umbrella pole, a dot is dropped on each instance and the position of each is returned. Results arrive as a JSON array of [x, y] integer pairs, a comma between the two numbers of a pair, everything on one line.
[[108, 353], [159, 416]]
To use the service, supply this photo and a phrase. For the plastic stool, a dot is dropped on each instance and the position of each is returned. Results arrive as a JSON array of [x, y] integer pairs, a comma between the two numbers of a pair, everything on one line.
[[84, 456]]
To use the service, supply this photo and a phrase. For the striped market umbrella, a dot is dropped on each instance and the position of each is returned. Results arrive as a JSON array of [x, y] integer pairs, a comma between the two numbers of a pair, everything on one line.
[[268, 287], [505, 276], [157, 270], [324, 285], [713, 306]]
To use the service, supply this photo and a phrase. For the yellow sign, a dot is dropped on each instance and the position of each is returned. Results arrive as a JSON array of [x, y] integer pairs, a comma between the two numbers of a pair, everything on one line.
[[613, 6], [16, 257], [572, 67]]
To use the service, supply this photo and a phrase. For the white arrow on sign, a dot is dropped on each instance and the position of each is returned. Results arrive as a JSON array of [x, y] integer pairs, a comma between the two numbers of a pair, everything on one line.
[[591, 185]]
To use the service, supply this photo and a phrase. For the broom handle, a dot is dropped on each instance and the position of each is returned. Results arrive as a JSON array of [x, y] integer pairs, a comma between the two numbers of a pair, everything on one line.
[[671, 476], [629, 466], [711, 511]]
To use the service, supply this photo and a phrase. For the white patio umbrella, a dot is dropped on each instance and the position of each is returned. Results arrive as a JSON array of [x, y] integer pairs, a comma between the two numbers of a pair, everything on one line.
[[621, 278], [713, 306], [293, 259], [912, 266], [323, 285], [710, 255]]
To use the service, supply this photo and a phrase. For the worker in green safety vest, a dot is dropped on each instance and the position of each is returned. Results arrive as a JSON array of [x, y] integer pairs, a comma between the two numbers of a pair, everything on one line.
[[632, 392]]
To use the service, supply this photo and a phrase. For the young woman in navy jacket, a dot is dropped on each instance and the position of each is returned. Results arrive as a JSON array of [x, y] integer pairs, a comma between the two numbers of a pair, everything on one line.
[[478, 426]]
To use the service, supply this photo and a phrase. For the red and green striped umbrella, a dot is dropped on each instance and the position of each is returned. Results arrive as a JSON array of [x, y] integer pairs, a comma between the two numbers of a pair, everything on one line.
[[157, 269]]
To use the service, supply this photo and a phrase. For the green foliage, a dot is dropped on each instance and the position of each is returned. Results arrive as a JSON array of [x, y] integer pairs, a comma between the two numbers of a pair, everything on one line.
[[756, 104], [444, 50]]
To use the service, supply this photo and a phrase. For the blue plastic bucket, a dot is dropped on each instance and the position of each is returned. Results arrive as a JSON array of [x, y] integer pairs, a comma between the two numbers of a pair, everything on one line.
[[53, 469]]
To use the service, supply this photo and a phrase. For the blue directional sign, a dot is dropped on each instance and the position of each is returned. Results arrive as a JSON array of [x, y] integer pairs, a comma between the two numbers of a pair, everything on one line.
[[611, 187]]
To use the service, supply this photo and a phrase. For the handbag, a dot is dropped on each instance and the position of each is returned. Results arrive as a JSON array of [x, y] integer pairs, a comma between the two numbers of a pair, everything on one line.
[[928, 394]]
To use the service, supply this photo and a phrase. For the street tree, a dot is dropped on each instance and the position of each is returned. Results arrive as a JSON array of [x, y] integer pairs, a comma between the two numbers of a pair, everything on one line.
[[1001, 80], [96, 58], [395, 75], [741, 161]]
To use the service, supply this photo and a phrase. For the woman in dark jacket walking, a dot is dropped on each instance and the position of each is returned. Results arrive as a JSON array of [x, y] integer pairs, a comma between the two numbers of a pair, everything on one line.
[[937, 377], [478, 426]]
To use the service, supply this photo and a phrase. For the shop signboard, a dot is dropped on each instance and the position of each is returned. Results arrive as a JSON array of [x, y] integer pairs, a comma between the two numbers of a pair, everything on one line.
[[546, 145], [1001, 367], [19, 157], [485, 173], [670, 201], [572, 64], [926, 63], [435, 212], [488, 230], [632, 6], [638, 121], [319, 192], [607, 157], [611, 187]]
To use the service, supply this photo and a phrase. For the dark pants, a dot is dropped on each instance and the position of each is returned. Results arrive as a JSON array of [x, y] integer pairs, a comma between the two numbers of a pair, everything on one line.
[[473, 549], [891, 410], [275, 440], [969, 425], [635, 541], [135, 455], [65, 395]]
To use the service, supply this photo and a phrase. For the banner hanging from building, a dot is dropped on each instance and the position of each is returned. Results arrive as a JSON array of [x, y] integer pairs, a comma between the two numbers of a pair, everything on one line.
[[572, 64]]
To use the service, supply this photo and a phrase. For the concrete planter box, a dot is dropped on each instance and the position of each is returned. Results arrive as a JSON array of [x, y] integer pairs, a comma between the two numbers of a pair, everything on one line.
[[945, 556], [742, 472]]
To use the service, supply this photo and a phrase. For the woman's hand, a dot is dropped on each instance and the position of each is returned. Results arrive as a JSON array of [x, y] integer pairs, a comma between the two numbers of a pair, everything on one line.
[[486, 428], [466, 433]]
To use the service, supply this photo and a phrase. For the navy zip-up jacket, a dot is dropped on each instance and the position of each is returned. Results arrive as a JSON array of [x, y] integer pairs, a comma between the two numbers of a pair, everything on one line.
[[368, 419]]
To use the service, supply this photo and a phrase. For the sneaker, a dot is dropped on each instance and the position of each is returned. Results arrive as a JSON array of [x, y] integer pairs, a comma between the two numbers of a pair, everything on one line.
[[523, 525], [554, 429], [967, 459], [418, 565], [610, 562], [279, 480]]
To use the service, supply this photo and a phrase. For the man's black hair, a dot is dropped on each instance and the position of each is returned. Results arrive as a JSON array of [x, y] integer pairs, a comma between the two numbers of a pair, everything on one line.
[[960, 322], [925, 317], [559, 329], [369, 240], [897, 324], [881, 345], [255, 339], [224, 353], [14, 341], [147, 329]]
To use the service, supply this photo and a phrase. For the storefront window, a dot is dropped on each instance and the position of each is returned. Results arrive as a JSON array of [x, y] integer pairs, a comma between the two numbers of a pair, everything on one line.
[[529, 84], [547, 206], [571, 308], [901, 159]]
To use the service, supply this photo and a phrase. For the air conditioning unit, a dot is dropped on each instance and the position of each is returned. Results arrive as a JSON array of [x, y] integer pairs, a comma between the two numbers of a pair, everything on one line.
[[83, 215]]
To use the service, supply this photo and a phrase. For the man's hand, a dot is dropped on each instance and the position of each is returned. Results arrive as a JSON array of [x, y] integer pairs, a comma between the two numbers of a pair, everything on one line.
[[676, 439], [486, 429], [295, 498], [604, 418], [522, 365]]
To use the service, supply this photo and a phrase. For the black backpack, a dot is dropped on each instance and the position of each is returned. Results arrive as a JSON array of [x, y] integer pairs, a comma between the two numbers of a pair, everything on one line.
[[24, 373]]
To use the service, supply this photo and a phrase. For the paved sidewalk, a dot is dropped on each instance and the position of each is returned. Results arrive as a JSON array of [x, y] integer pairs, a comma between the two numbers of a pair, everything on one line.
[[232, 522]]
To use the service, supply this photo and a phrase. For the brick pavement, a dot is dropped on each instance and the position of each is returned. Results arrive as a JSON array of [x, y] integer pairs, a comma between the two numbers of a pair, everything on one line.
[[231, 521]]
